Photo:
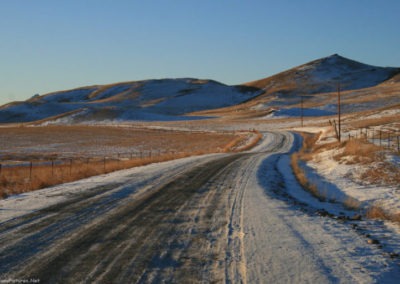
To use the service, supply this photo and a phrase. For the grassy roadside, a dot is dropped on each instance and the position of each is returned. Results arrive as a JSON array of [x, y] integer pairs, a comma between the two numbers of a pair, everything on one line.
[[304, 154], [24, 178], [19, 179], [353, 152], [244, 142]]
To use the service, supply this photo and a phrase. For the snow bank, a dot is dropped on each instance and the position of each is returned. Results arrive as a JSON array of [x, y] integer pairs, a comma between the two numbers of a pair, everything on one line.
[[340, 181]]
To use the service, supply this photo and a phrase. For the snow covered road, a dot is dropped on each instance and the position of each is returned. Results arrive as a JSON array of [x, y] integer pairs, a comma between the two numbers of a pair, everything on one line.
[[213, 218]]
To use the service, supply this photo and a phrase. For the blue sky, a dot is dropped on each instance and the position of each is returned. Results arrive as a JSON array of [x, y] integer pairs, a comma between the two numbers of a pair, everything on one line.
[[49, 45]]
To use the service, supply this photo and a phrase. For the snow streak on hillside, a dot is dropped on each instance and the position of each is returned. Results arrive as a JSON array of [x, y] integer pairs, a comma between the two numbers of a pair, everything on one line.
[[165, 99]]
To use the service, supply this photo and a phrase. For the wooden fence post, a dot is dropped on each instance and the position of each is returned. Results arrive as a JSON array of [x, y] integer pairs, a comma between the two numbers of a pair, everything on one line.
[[336, 130], [30, 170], [52, 168], [398, 147]]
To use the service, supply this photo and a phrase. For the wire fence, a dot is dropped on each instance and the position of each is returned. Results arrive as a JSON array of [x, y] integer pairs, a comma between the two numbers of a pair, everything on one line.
[[386, 138], [21, 176]]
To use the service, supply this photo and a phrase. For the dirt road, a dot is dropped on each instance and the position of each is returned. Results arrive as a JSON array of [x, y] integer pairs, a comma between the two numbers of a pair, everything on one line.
[[216, 218]]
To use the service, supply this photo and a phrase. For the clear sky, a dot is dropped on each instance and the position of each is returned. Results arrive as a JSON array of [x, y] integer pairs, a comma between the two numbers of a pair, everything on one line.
[[48, 45]]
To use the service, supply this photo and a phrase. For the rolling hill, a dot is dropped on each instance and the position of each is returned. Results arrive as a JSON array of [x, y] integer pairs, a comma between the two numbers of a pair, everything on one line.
[[363, 86], [166, 99], [323, 75]]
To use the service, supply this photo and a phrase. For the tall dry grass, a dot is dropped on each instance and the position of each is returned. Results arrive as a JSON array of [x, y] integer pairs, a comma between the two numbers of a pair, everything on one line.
[[19, 179], [253, 142], [302, 179], [305, 153], [378, 170], [242, 143], [352, 203], [23, 178], [360, 151], [377, 212]]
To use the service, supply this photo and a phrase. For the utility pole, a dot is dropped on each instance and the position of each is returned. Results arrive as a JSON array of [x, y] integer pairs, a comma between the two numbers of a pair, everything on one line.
[[339, 113], [302, 124]]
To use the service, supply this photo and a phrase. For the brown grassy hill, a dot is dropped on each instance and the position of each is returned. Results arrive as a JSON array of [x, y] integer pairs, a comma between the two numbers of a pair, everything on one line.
[[363, 87]]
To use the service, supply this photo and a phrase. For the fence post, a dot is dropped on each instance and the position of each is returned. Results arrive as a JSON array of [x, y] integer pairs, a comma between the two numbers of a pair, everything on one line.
[[334, 127], [30, 170], [0, 166], [104, 164], [373, 136], [52, 168], [398, 147], [388, 139], [380, 138]]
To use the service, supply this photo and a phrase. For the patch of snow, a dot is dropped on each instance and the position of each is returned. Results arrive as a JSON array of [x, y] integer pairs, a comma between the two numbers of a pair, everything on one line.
[[111, 92], [298, 112], [34, 111], [73, 96], [389, 112], [325, 171], [205, 96]]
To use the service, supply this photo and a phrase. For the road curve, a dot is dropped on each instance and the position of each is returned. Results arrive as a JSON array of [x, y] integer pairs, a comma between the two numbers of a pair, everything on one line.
[[211, 219]]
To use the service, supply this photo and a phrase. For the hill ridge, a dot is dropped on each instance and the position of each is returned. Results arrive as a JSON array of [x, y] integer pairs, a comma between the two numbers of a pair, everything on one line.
[[174, 98]]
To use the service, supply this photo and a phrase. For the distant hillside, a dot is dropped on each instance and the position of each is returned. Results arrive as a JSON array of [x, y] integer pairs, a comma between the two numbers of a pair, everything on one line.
[[174, 99], [323, 75], [165, 99], [317, 82]]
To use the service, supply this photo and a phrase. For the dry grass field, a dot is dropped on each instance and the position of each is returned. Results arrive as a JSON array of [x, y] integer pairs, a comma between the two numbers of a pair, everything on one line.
[[31, 143], [36, 157]]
